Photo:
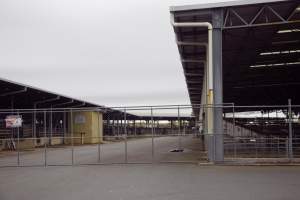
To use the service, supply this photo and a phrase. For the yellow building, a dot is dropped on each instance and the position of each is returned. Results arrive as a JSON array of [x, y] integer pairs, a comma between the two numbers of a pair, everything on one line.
[[86, 127]]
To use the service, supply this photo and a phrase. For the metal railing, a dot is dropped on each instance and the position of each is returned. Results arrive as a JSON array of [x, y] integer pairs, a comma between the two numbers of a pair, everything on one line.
[[260, 147], [121, 149], [249, 132]]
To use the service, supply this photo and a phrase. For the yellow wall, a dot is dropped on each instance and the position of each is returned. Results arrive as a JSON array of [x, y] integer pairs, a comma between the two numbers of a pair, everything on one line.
[[87, 126], [25, 144]]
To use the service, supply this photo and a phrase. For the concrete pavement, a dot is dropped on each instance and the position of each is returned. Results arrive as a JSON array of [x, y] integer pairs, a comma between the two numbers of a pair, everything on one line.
[[138, 151], [149, 182]]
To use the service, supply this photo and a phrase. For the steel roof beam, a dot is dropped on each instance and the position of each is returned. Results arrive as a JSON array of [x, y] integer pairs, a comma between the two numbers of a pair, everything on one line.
[[193, 61], [194, 85], [193, 89], [262, 12], [36, 103], [79, 105], [13, 92], [195, 93], [193, 74], [192, 81], [183, 43], [65, 103]]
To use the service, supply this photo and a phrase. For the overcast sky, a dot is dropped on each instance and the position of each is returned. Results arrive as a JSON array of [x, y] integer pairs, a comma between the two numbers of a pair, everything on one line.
[[110, 52]]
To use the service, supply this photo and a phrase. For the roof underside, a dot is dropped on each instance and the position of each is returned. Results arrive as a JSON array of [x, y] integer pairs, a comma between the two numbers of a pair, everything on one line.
[[20, 96], [261, 51]]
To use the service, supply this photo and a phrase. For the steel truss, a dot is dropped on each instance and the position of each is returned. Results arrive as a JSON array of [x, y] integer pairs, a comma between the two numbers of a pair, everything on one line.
[[266, 15]]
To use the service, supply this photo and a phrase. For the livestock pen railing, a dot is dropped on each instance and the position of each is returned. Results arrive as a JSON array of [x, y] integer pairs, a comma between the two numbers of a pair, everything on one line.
[[120, 149], [156, 133]]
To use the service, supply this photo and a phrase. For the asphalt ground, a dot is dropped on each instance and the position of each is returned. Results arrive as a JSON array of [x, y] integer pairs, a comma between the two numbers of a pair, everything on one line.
[[138, 151], [150, 181]]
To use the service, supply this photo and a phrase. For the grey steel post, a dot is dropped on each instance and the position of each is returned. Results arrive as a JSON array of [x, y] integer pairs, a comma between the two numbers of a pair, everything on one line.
[[99, 152], [126, 156], [241, 132], [152, 136], [113, 126], [118, 128], [179, 128], [287, 146], [235, 145], [72, 135], [65, 126], [51, 127], [45, 138], [99, 140], [262, 117], [290, 129], [108, 123], [278, 147], [233, 123], [121, 126], [18, 133], [217, 22], [134, 127], [256, 152], [125, 135], [34, 120], [214, 146]]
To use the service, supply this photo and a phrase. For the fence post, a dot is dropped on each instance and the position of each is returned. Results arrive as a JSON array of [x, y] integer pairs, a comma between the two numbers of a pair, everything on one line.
[[256, 150], [290, 129], [152, 136], [99, 139], [65, 126], [72, 136], [214, 146], [118, 128], [45, 138], [125, 133], [233, 123], [34, 121], [134, 126], [51, 126], [18, 133], [179, 128], [235, 146], [278, 141], [287, 147]]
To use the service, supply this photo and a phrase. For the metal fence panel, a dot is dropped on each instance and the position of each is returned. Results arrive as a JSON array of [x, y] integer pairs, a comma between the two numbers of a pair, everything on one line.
[[148, 134]]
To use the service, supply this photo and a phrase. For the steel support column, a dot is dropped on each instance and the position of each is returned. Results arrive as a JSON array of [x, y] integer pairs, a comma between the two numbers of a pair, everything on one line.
[[217, 20], [290, 143], [64, 126], [51, 125]]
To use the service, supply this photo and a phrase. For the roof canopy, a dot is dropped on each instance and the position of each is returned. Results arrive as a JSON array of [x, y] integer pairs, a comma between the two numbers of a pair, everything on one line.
[[260, 53], [20, 96]]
